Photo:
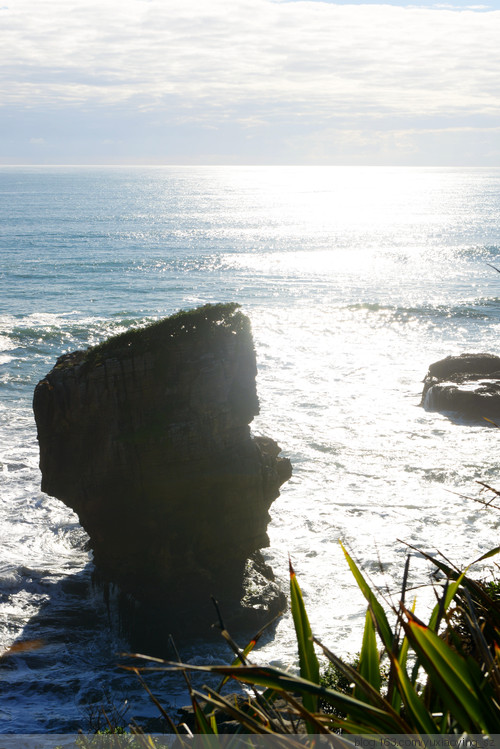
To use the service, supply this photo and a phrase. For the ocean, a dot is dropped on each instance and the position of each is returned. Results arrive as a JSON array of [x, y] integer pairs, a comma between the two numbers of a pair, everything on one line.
[[355, 280]]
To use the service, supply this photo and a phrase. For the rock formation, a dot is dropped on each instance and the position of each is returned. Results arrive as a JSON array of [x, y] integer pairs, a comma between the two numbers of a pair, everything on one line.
[[147, 438], [468, 385]]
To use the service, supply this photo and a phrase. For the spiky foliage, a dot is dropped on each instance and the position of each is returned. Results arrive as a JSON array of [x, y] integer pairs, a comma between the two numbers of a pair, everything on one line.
[[435, 682]]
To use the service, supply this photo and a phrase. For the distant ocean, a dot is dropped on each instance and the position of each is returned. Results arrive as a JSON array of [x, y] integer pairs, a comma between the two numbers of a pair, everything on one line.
[[355, 280]]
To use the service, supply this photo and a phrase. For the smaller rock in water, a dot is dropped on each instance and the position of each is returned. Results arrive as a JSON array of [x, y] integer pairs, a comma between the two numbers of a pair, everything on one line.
[[467, 386]]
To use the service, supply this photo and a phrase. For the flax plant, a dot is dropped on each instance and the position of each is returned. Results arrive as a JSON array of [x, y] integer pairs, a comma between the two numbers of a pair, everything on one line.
[[443, 676]]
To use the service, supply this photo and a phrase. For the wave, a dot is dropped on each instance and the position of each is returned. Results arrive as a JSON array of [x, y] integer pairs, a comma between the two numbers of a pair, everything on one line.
[[34, 330], [479, 309]]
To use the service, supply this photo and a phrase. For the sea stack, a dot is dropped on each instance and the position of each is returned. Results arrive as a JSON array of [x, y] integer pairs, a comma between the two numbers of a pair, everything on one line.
[[146, 436]]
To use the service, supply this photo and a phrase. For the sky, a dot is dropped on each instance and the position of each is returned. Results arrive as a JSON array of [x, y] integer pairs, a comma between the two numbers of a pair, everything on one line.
[[249, 82]]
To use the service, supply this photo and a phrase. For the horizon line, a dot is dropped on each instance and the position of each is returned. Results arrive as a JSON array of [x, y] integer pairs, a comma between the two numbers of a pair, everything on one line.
[[256, 166]]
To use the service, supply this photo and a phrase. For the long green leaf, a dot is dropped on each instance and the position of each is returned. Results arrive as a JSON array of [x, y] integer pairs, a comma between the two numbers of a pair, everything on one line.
[[480, 595], [369, 661], [309, 666], [489, 698], [373, 719], [422, 722], [219, 702], [488, 662], [310, 718], [442, 606], [450, 676], [395, 695], [402, 657], [249, 647], [382, 623], [371, 695], [204, 725]]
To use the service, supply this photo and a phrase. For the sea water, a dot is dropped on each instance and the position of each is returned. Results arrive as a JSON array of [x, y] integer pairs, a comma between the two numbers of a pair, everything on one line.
[[355, 280]]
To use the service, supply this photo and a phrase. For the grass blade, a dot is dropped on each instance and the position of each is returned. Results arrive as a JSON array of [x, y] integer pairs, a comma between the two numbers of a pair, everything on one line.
[[203, 724], [444, 603], [249, 647], [374, 720], [450, 676], [371, 695], [381, 621], [369, 661], [422, 722], [309, 666]]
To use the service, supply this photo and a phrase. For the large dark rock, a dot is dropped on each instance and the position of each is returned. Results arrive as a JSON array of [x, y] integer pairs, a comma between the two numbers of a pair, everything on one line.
[[147, 438], [467, 385]]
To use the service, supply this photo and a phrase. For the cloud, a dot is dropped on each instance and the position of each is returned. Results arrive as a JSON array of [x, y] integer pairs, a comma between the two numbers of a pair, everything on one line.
[[310, 59], [251, 79], [447, 146]]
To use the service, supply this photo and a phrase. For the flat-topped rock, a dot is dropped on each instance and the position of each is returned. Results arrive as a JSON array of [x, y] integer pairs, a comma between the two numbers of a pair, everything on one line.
[[467, 385], [147, 438]]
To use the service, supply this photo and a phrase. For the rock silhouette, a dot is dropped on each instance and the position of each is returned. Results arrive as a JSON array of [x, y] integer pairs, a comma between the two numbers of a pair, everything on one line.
[[147, 438]]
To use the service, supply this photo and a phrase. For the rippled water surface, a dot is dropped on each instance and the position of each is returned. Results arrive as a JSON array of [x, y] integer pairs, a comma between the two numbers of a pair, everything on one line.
[[355, 280]]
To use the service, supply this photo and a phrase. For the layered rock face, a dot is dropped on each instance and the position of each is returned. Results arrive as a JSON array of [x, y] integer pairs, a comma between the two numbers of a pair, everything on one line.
[[147, 438], [468, 385]]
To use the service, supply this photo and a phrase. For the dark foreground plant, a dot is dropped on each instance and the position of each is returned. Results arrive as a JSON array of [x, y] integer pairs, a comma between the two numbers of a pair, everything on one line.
[[442, 677]]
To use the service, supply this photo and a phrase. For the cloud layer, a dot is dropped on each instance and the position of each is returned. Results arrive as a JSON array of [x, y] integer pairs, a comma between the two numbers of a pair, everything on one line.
[[259, 64]]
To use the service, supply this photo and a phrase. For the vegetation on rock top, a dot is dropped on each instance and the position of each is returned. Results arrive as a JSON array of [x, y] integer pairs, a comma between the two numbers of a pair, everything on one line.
[[199, 323]]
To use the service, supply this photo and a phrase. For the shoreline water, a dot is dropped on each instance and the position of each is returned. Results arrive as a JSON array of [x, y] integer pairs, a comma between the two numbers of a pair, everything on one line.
[[353, 288]]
